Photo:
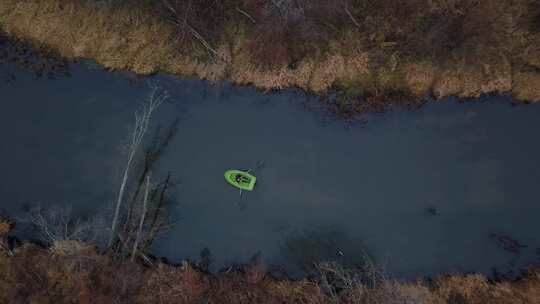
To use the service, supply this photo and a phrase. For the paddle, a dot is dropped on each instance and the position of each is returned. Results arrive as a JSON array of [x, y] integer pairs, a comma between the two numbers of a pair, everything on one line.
[[240, 204], [257, 166]]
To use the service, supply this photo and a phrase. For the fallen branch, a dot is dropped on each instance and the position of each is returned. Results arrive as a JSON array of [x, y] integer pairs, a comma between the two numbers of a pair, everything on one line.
[[351, 16], [175, 20], [246, 14]]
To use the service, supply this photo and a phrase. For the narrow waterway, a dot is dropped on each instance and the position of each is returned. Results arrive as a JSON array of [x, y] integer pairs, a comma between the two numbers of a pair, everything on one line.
[[448, 188]]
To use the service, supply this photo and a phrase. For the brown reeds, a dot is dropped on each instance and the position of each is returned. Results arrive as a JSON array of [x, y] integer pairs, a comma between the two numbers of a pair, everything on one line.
[[364, 49]]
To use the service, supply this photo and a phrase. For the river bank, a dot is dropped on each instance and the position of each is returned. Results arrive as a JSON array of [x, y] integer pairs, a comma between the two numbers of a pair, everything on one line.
[[372, 55], [74, 272]]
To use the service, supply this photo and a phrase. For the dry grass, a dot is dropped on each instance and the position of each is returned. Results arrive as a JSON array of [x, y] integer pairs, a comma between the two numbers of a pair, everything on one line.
[[174, 285], [463, 47], [475, 289], [37, 275]]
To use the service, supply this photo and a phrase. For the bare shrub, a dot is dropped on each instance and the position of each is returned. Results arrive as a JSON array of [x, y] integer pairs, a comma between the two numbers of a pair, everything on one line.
[[57, 224], [348, 284]]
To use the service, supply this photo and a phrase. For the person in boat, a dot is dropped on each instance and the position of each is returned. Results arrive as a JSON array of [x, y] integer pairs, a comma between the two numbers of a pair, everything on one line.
[[238, 178]]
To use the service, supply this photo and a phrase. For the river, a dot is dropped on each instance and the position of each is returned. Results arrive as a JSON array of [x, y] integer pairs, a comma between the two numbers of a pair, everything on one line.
[[437, 190]]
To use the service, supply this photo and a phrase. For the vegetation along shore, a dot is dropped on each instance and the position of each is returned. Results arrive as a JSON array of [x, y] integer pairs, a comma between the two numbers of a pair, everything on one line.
[[70, 271], [372, 53]]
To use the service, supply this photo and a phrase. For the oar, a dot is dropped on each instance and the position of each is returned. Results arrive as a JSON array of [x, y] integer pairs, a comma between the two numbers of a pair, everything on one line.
[[257, 166], [240, 201]]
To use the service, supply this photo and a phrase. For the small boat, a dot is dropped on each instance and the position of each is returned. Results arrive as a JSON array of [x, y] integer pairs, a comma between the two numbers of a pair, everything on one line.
[[240, 179]]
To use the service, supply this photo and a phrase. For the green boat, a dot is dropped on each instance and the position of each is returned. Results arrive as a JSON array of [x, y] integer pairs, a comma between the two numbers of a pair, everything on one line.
[[240, 179]]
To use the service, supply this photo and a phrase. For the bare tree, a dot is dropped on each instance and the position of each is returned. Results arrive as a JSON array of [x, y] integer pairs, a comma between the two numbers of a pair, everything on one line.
[[143, 217], [142, 122], [159, 220], [56, 224], [335, 277], [148, 218]]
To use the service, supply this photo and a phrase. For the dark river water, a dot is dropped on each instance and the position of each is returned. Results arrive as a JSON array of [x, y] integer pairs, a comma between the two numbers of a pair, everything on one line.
[[422, 192]]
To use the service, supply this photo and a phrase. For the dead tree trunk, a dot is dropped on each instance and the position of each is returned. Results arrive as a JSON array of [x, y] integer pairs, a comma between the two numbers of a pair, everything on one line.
[[142, 122], [143, 215]]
